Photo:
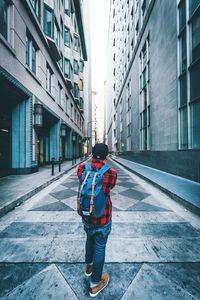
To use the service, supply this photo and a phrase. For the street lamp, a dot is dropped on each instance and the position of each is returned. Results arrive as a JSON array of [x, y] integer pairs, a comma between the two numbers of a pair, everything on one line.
[[38, 117], [63, 130]]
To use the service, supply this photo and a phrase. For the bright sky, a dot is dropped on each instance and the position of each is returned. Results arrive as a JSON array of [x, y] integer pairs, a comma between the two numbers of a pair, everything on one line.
[[99, 18]]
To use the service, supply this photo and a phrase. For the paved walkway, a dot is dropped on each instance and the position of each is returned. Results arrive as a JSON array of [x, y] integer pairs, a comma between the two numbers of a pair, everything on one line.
[[152, 252], [15, 189], [177, 187]]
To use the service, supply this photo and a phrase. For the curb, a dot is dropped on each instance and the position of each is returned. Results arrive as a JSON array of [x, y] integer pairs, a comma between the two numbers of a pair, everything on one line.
[[188, 205], [13, 204]]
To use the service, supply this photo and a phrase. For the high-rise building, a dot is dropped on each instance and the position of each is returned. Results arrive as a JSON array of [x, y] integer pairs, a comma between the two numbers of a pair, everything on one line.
[[154, 90], [42, 55], [87, 78]]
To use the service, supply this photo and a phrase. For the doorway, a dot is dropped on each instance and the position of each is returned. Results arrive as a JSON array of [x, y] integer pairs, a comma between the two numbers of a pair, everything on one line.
[[5, 141]]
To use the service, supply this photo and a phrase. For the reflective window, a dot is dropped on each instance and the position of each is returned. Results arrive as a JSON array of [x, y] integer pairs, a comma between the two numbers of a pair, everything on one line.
[[36, 7], [196, 38], [182, 15], [195, 124], [67, 68], [48, 22], [194, 81], [67, 37], [31, 54], [184, 128], [4, 18], [183, 90], [194, 4]]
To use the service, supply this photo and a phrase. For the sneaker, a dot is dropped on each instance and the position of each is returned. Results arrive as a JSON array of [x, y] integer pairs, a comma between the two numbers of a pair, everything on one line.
[[88, 270], [103, 283]]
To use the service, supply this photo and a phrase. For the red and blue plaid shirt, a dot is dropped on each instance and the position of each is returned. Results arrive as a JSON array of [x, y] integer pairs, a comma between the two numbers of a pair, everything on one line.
[[109, 181]]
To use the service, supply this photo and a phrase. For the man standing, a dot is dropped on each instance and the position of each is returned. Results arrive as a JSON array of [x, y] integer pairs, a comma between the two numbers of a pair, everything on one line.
[[98, 229]]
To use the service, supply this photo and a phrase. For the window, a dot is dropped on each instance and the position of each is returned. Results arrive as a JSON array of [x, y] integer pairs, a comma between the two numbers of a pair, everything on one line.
[[31, 54], [59, 94], [143, 8], [76, 44], [48, 22], [76, 90], [75, 26], [182, 15], [71, 113], [81, 104], [67, 105], [49, 74], [4, 18], [193, 4], [194, 81], [195, 124], [67, 37], [76, 67], [67, 7], [81, 66], [183, 89], [57, 35], [81, 85], [196, 38], [36, 7], [61, 25], [183, 52], [144, 78], [61, 61], [67, 68], [184, 128]]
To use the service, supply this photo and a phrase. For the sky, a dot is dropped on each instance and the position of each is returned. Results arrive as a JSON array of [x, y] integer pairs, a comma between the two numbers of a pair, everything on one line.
[[99, 19]]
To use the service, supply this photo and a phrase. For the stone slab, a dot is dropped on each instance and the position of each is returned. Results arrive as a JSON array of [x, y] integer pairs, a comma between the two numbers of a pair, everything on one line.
[[118, 249], [150, 284], [47, 284]]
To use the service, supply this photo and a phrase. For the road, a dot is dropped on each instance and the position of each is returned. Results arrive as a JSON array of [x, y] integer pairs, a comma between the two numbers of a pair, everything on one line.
[[152, 252]]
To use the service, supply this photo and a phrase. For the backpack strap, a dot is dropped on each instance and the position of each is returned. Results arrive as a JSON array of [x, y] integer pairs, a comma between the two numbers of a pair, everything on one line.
[[88, 167], [81, 189], [92, 195], [104, 169]]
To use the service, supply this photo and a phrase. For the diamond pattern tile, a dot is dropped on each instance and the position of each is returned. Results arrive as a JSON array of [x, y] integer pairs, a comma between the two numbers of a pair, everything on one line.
[[134, 194], [63, 194]]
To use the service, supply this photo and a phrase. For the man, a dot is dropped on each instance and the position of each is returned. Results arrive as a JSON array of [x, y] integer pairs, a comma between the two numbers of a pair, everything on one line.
[[98, 229]]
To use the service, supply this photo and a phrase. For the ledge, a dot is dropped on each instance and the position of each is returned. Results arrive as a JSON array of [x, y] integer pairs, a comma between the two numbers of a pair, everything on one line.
[[33, 75], [7, 45]]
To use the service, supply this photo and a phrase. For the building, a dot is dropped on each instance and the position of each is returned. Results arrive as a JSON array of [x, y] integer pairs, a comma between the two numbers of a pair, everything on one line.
[[87, 79], [155, 92], [42, 55]]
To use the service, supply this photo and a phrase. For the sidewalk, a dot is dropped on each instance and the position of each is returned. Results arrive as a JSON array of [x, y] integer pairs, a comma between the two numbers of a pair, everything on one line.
[[183, 190], [15, 189]]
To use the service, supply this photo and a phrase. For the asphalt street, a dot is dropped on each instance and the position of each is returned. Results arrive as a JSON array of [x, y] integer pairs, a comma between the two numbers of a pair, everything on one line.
[[152, 252]]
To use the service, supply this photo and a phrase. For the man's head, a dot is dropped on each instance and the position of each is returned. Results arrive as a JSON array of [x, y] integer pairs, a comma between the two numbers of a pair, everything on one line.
[[100, 151]]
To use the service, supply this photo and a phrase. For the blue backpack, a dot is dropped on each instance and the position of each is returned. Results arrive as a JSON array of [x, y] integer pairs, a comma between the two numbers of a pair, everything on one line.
[[91, 199]]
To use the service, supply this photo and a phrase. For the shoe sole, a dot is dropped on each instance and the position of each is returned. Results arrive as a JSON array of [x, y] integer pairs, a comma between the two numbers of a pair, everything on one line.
[[94, 295], [88, 275]]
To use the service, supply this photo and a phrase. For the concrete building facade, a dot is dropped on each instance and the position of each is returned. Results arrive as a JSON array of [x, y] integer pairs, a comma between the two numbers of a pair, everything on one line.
[[42, 54], [87, 79], [155, 93]]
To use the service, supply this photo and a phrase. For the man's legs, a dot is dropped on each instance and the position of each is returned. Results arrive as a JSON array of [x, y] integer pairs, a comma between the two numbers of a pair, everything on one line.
[[89, 248], [98, 259], [100, 240]]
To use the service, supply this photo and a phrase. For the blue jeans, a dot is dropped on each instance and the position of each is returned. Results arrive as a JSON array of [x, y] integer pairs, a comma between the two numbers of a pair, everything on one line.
[[95, 248]]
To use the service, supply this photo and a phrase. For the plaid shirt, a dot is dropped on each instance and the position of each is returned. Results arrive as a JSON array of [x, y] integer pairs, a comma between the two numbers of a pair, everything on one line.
[[109, 181]]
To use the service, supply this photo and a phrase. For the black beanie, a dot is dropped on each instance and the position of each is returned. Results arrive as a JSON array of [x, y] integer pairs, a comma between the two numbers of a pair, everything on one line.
[[100, 151]]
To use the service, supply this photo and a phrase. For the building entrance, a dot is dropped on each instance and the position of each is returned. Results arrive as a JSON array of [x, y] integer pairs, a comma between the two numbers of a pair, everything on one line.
[[5, 141], [9, 98]]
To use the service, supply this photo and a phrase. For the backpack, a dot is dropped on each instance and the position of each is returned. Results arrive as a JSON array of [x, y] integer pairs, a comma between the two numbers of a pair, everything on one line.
[[91, 199]]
